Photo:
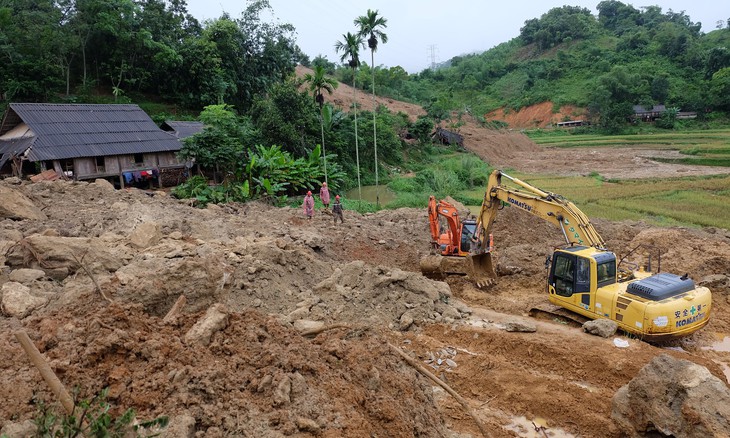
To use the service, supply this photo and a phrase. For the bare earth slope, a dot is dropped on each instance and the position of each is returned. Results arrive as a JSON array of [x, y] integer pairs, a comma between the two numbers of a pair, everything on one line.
[[275, 272]]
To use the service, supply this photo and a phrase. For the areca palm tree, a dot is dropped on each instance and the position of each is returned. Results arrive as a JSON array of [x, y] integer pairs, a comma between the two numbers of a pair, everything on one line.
[[350, 48], [318, 83], [370, 25]]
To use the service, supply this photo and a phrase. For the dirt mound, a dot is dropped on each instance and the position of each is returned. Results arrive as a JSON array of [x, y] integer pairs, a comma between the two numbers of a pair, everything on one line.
[[342, 97], [256, 376], [269, 271]]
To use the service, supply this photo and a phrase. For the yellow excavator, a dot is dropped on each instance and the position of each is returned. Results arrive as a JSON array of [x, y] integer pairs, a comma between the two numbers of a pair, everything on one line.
[[586, 278]]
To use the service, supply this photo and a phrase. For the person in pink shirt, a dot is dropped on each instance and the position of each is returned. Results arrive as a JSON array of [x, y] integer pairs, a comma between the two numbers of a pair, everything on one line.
[[324, 195], [308, 205]]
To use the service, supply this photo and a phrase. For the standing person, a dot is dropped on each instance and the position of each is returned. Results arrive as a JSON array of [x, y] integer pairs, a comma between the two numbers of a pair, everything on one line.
[[324, 195], [308, 205], [337, 210]]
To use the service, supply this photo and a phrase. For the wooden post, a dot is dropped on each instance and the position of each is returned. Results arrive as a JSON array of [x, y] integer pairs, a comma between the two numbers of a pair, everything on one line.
[[46, 372]]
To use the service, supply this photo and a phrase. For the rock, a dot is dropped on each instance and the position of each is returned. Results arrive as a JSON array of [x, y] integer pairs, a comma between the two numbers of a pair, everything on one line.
[[146, 234], [714, 281], [282, 393], [63, 253], [406, 321], [305, 325], [307, 425], [604, 328], [26, 276], [104, 185], [675, 397], [24, 429], [214, 320], [181, 426], [14, 180], [518, 326], [17, 206], [17, 300]]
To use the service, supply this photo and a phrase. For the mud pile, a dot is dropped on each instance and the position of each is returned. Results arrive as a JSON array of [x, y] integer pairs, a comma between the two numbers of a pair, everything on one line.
[[92, 282]]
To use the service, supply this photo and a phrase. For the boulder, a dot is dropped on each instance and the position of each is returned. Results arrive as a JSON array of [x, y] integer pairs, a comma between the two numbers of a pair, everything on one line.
[[604, 328], [146, 234], [26, 276], [17, 206], [519, 326], [64, 253], [674, 397], [214, 320], [17, 300]]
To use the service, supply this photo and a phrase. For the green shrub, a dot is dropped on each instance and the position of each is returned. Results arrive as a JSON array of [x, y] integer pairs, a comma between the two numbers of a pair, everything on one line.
[[91, 418]]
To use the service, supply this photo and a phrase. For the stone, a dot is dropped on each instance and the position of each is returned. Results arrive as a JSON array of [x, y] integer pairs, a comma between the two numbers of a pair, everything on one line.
[[17, 206], [17, 300], [518, 326], [214, 320], [26, 276], [307, 425], [305, 325], [24, 429], [146, 234], [604, 328], [406, 321], [674, 397]]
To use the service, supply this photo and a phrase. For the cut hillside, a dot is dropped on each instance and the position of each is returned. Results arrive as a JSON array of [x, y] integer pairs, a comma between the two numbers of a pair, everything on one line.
[[512, 149]]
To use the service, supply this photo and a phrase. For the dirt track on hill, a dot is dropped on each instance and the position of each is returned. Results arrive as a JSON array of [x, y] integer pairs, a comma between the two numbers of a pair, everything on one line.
[[273, 272]]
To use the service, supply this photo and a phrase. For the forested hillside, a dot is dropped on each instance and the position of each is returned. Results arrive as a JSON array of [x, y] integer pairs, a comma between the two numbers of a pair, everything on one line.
[[625, 56], [154, 53]]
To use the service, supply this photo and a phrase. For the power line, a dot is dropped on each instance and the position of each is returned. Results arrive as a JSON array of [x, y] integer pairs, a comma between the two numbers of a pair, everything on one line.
[[432, 49]]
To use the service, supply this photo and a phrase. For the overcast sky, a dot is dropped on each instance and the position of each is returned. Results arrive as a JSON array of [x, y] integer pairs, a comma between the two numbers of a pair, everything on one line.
[[422, 31]]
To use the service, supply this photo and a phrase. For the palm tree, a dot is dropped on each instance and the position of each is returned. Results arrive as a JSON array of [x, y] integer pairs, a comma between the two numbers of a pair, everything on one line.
[[350, 48], [318, 83], [370, 26]]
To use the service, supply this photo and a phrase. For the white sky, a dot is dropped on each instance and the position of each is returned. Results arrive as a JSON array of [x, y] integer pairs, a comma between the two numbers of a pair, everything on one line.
[[419, 28]]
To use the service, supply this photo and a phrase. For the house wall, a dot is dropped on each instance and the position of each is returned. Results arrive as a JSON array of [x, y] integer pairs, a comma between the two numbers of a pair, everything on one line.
[[86, 168]]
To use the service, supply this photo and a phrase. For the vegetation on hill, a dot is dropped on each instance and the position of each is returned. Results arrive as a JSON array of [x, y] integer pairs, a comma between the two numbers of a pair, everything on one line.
[[623, 57], [153, 52]]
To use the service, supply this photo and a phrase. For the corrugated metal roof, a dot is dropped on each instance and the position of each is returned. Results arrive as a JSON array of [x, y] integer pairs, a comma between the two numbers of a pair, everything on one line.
[[183, 129], [16, 146], [86, 130]]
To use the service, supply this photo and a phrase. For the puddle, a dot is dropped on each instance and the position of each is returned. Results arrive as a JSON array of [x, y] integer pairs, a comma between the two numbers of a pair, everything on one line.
[[536, 428], [722, 345]]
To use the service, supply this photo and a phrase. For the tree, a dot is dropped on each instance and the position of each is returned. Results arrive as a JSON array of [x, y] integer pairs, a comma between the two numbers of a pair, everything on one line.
[[350, 48], [370, 25], [319, 82]]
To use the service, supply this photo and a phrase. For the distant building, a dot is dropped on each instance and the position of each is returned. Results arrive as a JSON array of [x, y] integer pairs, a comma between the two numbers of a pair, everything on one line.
[[447, 137], [85, 141], [571, 123], [643, 114], [182, 129]]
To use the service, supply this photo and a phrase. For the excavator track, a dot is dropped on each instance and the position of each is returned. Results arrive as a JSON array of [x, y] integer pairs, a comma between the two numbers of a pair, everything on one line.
[[562, 315]]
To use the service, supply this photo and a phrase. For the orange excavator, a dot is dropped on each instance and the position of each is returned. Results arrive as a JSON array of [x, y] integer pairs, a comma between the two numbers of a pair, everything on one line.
[[451, 240]]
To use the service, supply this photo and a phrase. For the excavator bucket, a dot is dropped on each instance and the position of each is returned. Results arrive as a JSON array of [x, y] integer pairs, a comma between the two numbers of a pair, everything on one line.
[[480, 270]]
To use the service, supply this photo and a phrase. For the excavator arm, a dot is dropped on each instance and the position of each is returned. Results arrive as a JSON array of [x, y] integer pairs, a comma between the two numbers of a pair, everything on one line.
[[577, 229]]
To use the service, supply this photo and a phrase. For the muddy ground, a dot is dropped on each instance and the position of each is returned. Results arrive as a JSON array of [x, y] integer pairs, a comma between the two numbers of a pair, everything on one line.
[[276, 274]]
